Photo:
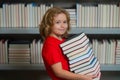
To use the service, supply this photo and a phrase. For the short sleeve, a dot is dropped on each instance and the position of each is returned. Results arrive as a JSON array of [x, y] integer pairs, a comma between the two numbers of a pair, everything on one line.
[[51, 54]]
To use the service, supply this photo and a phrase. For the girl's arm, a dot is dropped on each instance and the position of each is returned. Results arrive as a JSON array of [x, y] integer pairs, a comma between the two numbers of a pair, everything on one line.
[[61, 73]]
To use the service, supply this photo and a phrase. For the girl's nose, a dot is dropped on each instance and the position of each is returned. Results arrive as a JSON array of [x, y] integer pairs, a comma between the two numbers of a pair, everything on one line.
[[63, 25]]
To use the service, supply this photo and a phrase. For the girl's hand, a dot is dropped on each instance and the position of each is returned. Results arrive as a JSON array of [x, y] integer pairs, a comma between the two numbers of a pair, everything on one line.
[[92, 77], [88, 77]]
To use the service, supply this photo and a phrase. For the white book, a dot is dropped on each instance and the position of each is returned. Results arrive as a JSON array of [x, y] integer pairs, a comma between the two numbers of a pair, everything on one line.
[[82, 65], [38, 52], [72, 40], [79, 50], [79, 15], [6, 51], [81, 58], [19, 55], [1, 17], [23, 15], [87, 67], [76, 47], [92, 71], [80, 62], [4, 16], [77, 42], [83, 16], [18, 46], [119, 16], [80, 53]]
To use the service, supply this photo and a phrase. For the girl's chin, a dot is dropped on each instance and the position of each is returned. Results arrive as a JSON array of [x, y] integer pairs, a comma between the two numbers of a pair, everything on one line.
[[62, 33]]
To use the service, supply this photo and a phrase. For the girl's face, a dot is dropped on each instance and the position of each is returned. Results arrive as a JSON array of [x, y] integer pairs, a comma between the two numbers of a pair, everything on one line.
[[60, 25]]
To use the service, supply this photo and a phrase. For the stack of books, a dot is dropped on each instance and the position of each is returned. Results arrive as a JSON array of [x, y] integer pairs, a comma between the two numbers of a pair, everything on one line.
[[19, 52], [80, 54]]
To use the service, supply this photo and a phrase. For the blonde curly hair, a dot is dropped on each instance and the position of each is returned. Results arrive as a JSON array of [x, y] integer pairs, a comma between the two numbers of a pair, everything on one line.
[[47, 21]]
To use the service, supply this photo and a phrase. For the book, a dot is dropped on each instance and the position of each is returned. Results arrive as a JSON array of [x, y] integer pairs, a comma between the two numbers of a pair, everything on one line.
[[75, 47], [68, 41], [84, 64], [77, 51], [80, 56], [77, 42], [80, 62], [87, 67], [82, 53], [19, 52]]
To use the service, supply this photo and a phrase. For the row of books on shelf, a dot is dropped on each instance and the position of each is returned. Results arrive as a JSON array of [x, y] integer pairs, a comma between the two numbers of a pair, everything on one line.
[[26, 15], [101, 15], [22, 15], [20, 52], [107, 51], [30, 15]]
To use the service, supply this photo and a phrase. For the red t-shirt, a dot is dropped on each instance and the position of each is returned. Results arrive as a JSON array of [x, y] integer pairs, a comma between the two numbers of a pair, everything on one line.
[[52, 54]]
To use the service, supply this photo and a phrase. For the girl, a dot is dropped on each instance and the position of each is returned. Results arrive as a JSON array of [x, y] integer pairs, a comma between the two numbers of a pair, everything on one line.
[[54, 28]]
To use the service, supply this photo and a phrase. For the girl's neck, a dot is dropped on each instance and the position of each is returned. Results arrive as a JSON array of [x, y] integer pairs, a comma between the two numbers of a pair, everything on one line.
[[56, 36]]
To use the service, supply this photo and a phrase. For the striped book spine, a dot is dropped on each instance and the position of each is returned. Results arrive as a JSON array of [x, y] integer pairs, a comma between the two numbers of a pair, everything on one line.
[[80, 55]]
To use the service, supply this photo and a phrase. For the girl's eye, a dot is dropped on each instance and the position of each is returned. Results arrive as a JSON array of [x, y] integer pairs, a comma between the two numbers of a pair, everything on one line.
[[65, 22], [58, 22]]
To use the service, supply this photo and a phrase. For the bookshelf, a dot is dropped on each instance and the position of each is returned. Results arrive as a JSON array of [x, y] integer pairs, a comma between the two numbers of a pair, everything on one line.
[[33, 32]]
